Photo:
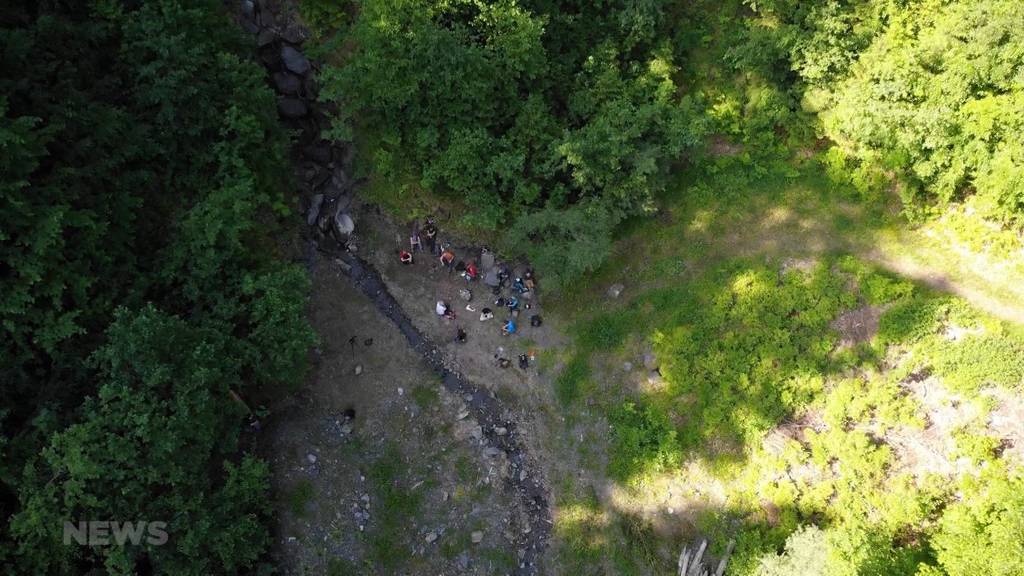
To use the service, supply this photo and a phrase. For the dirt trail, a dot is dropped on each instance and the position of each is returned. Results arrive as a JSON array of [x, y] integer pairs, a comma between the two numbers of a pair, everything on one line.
[[324, 169]]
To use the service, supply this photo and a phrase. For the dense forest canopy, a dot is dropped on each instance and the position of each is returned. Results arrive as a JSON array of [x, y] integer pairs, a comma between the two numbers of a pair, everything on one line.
[[142, 165]]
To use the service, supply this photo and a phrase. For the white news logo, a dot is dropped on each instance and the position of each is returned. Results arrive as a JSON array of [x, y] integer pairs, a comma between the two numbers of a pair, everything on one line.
[[105, 533]]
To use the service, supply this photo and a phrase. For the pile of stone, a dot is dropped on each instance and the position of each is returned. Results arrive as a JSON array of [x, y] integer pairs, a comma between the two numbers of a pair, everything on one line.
[[323, 166]]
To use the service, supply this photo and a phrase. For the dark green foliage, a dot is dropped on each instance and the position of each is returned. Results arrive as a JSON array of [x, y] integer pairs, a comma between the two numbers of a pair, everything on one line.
[[141, 168], [500, 112]]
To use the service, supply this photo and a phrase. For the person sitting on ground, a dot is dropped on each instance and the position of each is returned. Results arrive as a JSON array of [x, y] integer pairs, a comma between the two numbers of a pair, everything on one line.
[[471, 271], [524, 361], [460, 336], [447, 259], [536, 320], [518, 285], [509, 327], [512, 303], [405, 257], [486, 314]]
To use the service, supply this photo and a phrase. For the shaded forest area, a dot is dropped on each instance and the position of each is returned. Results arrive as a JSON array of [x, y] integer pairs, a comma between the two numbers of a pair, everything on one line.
[[143, 180]]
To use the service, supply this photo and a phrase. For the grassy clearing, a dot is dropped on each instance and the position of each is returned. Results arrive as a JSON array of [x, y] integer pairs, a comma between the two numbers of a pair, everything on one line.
[[736, 292]]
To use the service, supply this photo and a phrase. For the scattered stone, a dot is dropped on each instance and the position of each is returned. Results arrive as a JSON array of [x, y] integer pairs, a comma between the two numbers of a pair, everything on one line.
[[615, 290], [462, 415], [248, 7], [359, 369], [311, 457], [627, 366], [314, 209], [292, 108], [431, 536], [477, 537], [294, 60], [500, 430], [346, 429], [401, 391], [522, 475], [491, 452]]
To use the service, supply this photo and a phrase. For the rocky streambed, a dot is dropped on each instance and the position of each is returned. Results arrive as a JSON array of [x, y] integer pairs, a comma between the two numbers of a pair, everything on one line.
[[324, 171]]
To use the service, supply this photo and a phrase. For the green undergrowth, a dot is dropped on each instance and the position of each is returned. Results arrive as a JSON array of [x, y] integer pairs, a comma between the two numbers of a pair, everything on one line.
[[797, 425]]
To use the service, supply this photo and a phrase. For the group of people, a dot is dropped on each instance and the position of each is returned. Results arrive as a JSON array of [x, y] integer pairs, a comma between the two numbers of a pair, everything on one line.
[[497, 277]]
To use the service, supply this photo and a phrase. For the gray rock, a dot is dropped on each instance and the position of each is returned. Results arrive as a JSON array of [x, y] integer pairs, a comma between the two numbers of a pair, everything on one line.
[[292, 108], [293, 34], [339, 178], [250, 26], [311, 457], [650, 361], [358, 369], [627, 366], [430, 537], [314, 209], [615, 290], [487, 260], [344, 223], [266, 37], [248, 7], [267, 19], [294, 60], [477, 537], [500, 430], [491, 452], [286, 83]]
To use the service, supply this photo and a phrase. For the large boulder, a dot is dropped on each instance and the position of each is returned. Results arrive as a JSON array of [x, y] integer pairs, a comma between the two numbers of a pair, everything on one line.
[[343, 222], [314, 209], [294, 60]]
